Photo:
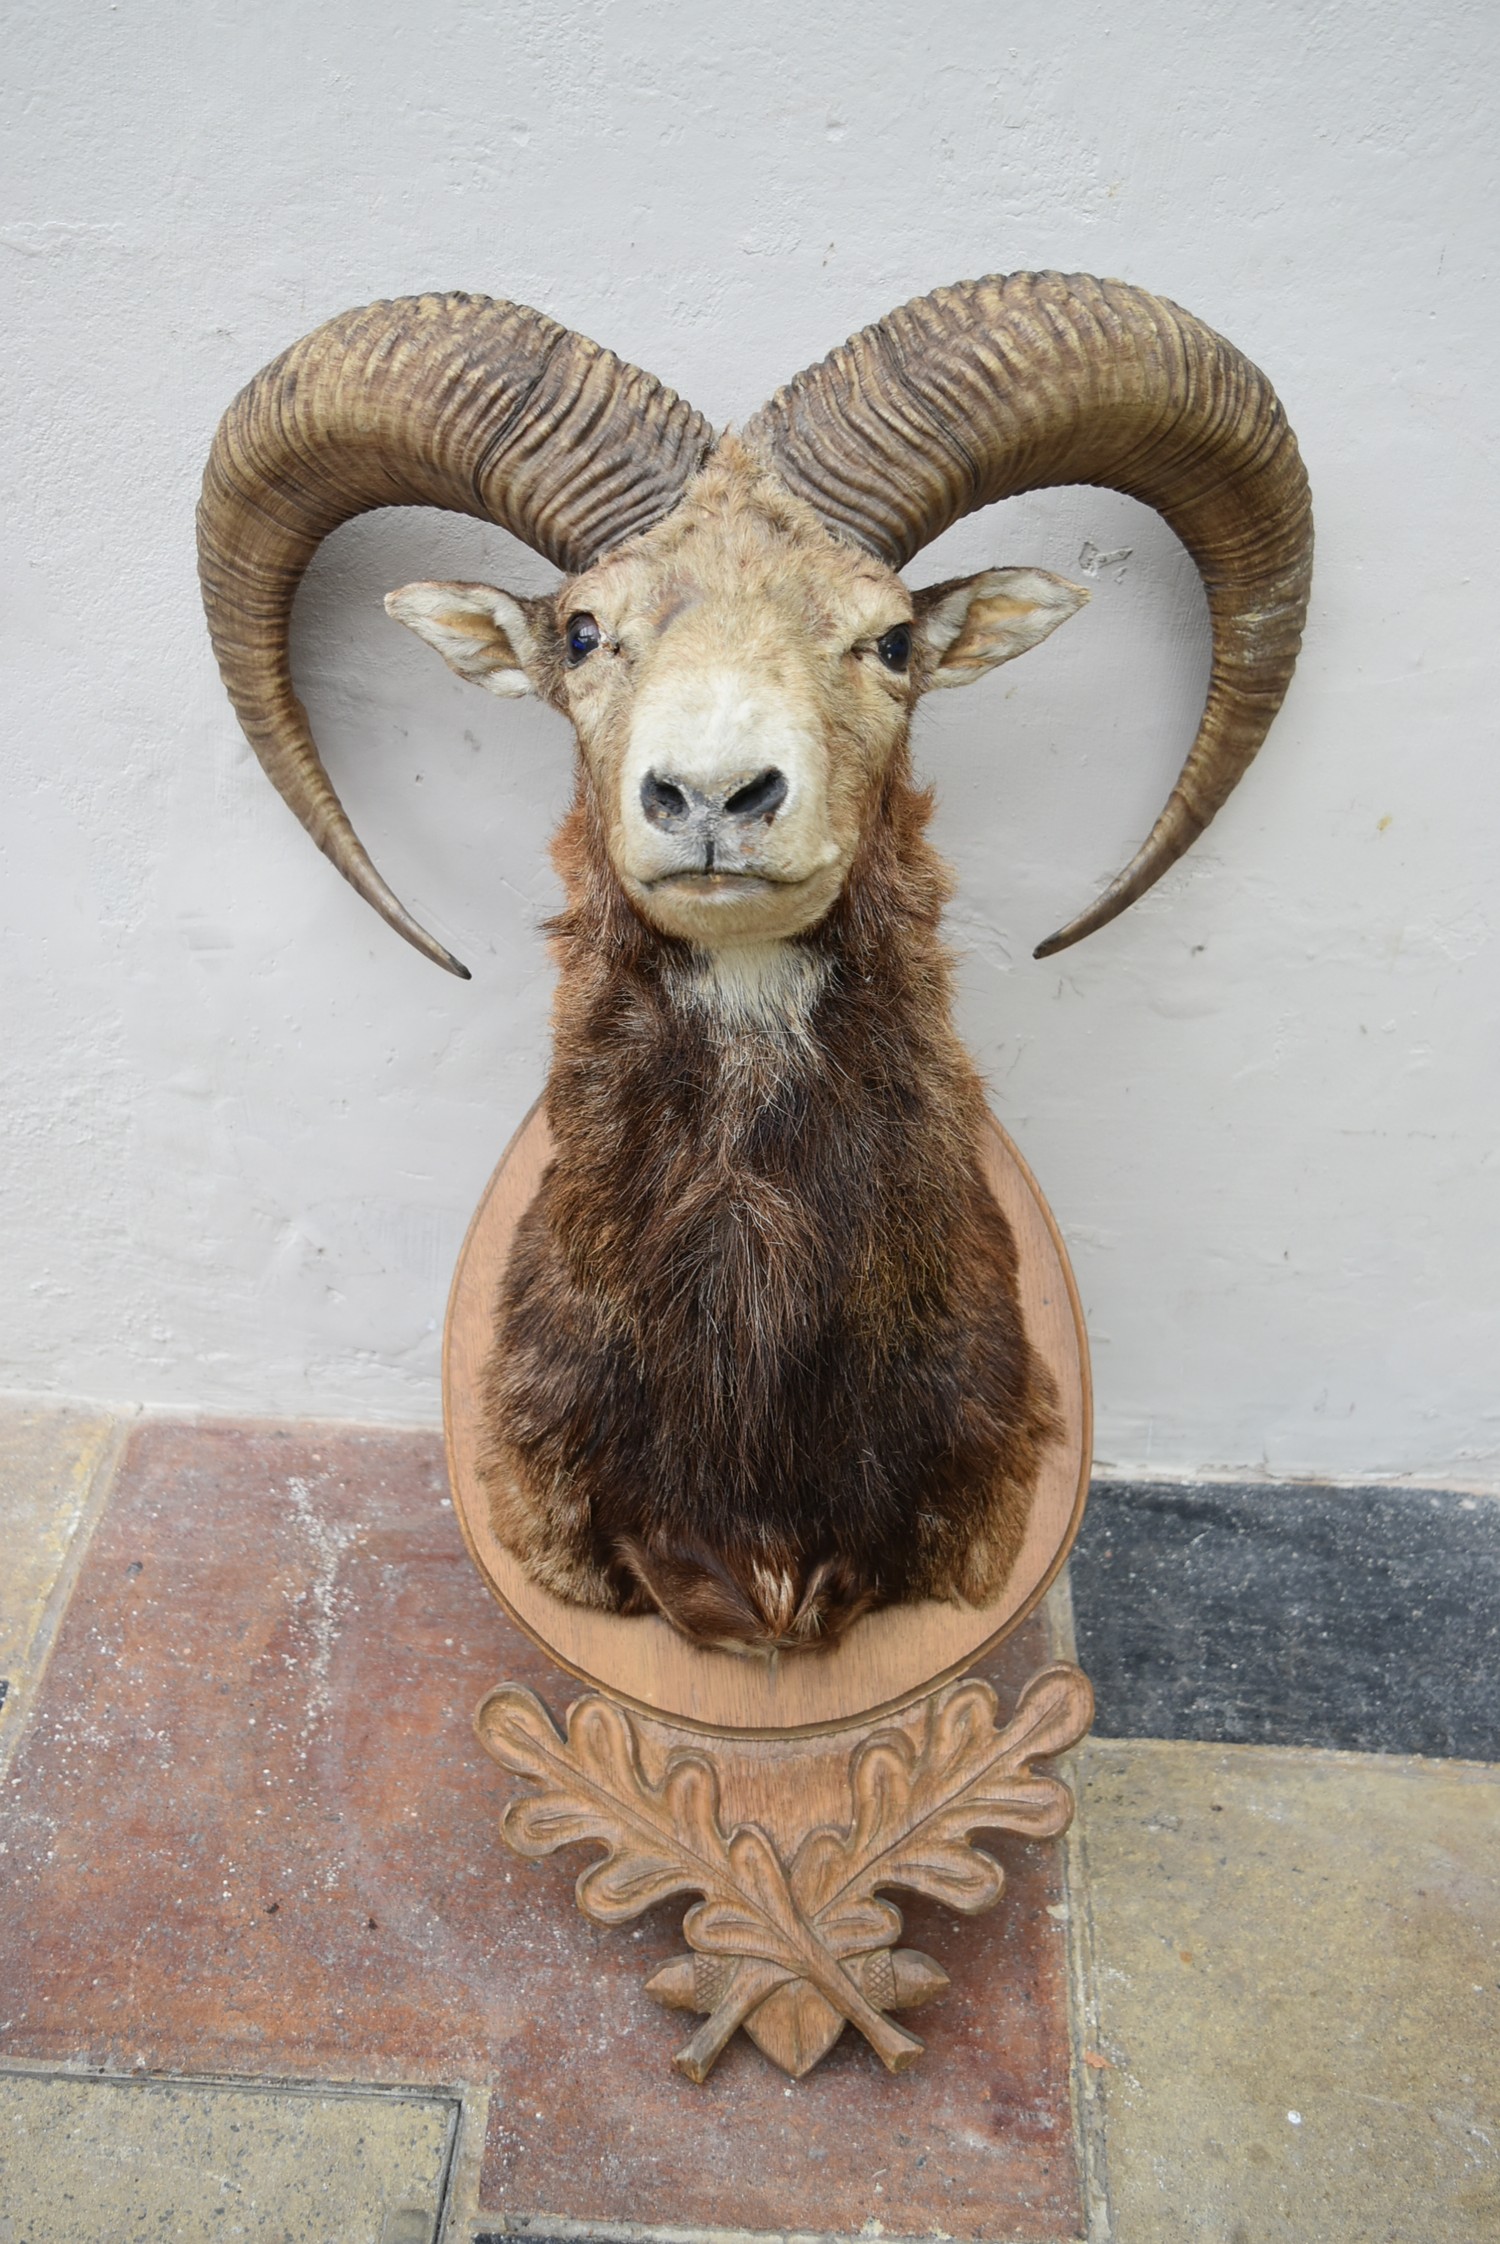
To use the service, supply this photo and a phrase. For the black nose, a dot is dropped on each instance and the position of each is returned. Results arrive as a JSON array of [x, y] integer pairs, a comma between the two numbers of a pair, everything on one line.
[[672, 802], [758, 798]]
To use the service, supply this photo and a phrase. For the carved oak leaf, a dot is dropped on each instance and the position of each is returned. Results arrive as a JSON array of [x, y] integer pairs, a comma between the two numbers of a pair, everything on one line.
[[664, 1840], [915, 1805], [792, 1955], [591, 1787]]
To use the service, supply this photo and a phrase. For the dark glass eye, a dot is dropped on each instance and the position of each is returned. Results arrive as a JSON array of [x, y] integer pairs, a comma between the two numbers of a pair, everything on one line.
[[894, 649], [583, 635]]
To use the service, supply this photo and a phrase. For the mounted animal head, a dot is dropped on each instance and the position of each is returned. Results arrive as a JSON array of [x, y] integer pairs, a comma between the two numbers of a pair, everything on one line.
[[739, 682], [733, 644]]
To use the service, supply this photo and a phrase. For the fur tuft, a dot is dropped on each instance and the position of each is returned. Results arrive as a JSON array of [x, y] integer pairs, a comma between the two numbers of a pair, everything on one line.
[[779, 1608]]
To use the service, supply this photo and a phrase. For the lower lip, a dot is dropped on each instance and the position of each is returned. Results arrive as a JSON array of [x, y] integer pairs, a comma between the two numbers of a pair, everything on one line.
[[717, 884]]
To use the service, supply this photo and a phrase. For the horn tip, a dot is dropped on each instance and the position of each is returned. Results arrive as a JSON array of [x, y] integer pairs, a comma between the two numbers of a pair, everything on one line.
[[1099, 914], [416, 935], [1109, 906]]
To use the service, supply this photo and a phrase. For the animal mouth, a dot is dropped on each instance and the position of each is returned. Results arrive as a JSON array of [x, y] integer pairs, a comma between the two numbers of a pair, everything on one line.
[[707, 882]]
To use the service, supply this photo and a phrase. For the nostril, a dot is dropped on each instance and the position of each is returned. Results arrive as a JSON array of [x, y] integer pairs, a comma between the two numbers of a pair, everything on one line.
[[661, 801], [758, 798]]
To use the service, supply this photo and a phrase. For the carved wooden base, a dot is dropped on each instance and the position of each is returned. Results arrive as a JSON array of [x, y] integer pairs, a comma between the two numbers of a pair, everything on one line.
[[788, 1795], [789, 1841]]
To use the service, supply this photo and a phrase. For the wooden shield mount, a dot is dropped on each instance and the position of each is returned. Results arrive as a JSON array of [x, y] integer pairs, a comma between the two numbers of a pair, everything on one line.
[[789, 1796]]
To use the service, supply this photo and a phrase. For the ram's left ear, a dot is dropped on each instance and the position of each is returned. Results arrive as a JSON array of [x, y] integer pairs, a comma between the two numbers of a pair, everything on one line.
[[974, 623]]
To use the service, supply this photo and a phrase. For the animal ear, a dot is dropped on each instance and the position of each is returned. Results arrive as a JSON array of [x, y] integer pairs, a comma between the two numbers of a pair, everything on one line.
[[977, 622], [484, 635]]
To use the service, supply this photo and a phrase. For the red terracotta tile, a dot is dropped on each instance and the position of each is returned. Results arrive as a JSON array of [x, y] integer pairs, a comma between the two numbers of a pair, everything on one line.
[[975, 2141], [248, 1830]]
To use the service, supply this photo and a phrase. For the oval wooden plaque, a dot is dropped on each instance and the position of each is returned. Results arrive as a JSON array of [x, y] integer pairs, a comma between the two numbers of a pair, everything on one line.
[[887, 1658]]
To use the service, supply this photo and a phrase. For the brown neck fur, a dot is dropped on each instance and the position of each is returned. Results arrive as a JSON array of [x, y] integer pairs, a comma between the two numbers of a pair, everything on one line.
[[796, 1375]]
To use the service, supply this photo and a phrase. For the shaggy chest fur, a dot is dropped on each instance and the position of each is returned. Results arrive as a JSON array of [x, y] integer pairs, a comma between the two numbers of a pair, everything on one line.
[[760, 1361]]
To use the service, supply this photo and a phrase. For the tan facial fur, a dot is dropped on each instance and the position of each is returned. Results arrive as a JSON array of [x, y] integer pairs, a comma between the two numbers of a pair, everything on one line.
[[736, 718]]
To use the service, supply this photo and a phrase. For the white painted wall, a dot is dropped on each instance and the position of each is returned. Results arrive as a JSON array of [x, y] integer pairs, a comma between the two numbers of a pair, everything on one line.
[[245, 1124]]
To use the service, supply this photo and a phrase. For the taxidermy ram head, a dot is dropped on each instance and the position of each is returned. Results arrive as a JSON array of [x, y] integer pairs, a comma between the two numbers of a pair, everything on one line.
[[759, 1364]]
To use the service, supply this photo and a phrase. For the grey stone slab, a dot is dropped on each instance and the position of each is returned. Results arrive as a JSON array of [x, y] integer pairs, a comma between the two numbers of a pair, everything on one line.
[[50, 1467], [1365, 1619], [102, 2161], [1297, 1979]]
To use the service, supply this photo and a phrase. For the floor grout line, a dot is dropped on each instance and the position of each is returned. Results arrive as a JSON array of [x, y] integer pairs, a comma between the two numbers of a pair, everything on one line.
[[461, 2214], [1083, 2020], [552, 2228], [1089, 2098], [344, 2086]]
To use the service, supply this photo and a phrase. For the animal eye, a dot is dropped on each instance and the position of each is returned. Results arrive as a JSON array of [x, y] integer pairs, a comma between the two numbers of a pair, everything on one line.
[[583, 635], [894, 649]]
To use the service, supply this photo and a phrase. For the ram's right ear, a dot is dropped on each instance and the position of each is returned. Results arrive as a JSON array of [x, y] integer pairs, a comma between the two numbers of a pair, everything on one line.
[[483, 634]]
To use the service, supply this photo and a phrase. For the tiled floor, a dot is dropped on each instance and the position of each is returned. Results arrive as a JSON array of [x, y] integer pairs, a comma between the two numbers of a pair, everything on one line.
[[266, 1969]]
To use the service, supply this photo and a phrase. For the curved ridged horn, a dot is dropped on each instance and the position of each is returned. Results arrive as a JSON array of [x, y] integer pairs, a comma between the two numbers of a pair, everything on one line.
[[455, 401], [1017, 382]]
